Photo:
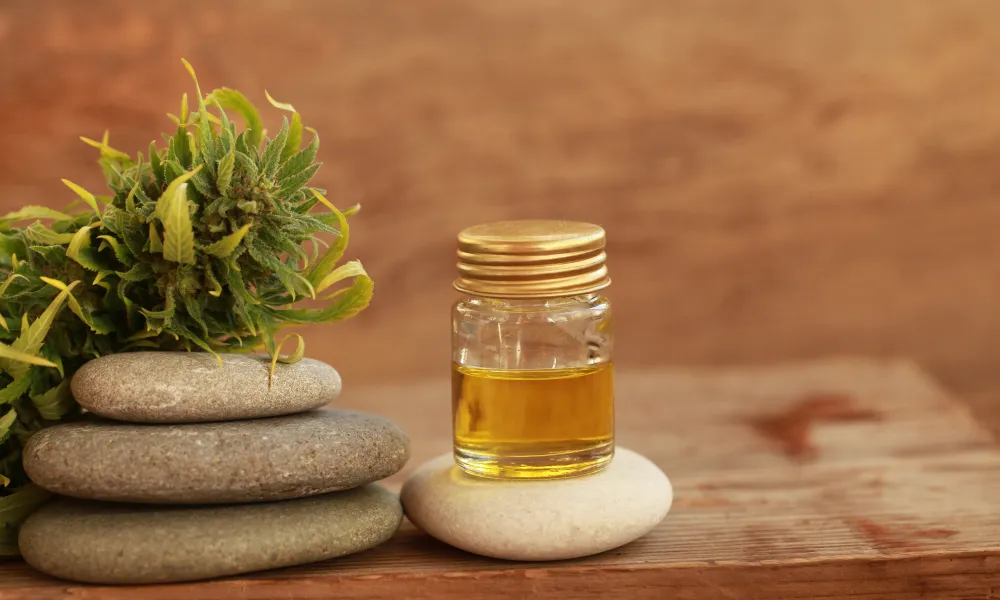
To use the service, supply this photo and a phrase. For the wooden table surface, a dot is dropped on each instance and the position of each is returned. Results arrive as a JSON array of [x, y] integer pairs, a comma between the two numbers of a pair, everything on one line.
[[843, 478]]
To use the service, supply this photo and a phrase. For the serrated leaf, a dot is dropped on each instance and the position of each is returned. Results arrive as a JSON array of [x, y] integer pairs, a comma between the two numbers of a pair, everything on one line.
[[294, 357], [168, 309], [121, 253], [226, 171], [233, 100], [28, 213], [155, 163], [225, 247], [213, 282], [271, 158], [106, 150], [246, 164], [81, 240], [6, 425], [138, 272], [326, 263], [347, 270], [193, 308], [300, 161], [10, 279], [16, 507], [344, 305], [172, 210], [178, 235], [8, 353], [155, 243], [55, 402], [294, 182], [17, 388], [30, 340], [294, 131], [84, 195], [203, 183], [37, 232], [97, 324], [206, 141]]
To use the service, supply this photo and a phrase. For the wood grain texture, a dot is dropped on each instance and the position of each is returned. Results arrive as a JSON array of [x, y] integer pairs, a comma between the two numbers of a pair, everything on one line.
[[897, 503], [779, 180]]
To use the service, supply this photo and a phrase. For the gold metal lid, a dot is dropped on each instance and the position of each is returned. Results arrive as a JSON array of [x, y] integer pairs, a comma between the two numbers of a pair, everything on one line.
[[531, 259]]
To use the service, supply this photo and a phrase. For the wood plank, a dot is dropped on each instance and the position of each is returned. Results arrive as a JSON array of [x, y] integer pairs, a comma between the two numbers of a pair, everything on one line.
[[780, 180], [901, 505]]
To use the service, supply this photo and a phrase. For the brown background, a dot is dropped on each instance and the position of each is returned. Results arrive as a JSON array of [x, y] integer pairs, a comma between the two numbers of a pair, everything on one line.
[[779, 179]]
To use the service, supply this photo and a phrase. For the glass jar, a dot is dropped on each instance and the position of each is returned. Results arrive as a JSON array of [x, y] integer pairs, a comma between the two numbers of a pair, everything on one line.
[[532, 371]]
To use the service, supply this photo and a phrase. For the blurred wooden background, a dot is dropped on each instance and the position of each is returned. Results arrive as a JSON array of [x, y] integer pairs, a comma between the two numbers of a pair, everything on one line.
[[778, 179]]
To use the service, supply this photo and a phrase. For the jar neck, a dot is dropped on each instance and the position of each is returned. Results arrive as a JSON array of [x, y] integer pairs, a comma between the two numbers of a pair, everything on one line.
[[535, 303]]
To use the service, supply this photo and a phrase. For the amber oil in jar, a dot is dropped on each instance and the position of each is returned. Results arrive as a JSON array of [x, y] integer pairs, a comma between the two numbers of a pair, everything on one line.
[[532, 372]]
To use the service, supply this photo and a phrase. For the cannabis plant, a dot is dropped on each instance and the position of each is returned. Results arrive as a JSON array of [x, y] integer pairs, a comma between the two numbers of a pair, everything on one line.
[[205, 243]]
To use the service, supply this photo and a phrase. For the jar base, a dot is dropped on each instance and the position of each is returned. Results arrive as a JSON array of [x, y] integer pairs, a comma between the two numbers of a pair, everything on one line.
[[497, 464]]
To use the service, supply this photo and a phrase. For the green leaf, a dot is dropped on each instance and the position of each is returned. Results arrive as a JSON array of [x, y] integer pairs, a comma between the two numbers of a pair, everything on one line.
[[6, 424], [79, 250], [226, 171], [294, 357], [97, 324], [300, 161], [17, 388], [225, 247], [348, 303], [325, 264], [193, 308], [31, 339], [246, 164], [271, 158], [139, 272], [37, 232], [168, 309], [54, 403], [197, 87], [345, 271], [155, 243], [213, 282], [294, 131], [294, 182], [172, 210], [121, 253], [204, 184], [107, 151], [15, 508], [233, 100], [81, 240], [84, 195], [9, 353], [10, 279], [155, 162], [28, 213]]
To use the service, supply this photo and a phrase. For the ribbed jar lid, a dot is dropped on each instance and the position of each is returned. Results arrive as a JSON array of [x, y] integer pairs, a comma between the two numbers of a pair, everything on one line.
[[531, 259]]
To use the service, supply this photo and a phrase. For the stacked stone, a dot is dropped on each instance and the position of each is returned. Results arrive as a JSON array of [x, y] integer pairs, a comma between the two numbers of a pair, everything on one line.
[[187, 470]]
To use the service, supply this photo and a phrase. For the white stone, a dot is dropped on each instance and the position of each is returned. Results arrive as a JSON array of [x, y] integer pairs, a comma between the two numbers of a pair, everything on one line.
[[538, 520]]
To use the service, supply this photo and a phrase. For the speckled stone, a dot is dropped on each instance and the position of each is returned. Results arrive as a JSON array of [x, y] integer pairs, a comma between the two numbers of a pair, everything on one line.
[[240, 461], [101, 542], [539, 520], [191, 387]]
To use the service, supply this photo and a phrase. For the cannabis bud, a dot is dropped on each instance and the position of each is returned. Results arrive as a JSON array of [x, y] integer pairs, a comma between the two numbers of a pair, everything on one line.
[[207, 244]]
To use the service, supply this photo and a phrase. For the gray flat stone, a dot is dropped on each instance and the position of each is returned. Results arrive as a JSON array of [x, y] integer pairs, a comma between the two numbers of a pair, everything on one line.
[[191, 387], [239, 461], [102, 542]]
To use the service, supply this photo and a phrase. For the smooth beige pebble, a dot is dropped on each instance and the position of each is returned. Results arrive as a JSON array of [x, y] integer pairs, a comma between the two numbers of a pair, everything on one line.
[[538, 520]]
